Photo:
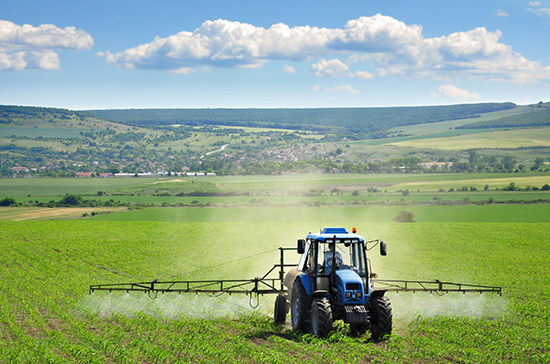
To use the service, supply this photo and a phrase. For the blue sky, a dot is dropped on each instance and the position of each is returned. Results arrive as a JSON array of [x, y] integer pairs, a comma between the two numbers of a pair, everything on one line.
[[221, 54]]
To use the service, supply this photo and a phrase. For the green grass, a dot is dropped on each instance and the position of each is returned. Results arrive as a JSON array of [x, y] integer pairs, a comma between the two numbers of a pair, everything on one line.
[[532, 137], [43, 132], [431, 128], [317, 218], [46, 314]]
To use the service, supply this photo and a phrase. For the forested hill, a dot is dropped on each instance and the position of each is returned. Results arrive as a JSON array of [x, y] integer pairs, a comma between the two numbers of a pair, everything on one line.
[[11, 110], [539, 116], [364, 122]]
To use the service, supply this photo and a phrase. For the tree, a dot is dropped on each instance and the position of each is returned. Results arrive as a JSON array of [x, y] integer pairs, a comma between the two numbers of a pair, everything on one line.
[[8, 201], [538, 163], [508, 162], [73, 200], [405, 216], [546, 187]]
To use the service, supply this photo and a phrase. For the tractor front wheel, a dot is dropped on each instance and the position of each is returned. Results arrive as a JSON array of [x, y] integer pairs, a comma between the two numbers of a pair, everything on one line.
[[381, 317], [299, 307], [279, 314], [321, 317]]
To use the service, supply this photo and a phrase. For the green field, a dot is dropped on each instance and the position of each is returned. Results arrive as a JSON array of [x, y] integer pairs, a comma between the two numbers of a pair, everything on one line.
[[327, 216], [534, 137], [48, 316], [30, 132], [283, 188], [433, 128]]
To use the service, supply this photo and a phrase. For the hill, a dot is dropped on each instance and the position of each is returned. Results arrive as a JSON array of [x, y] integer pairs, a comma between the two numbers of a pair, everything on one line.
[[538, 116], [356, 123]]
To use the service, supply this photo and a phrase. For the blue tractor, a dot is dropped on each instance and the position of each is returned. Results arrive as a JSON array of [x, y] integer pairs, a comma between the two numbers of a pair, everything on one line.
[[333, 282]]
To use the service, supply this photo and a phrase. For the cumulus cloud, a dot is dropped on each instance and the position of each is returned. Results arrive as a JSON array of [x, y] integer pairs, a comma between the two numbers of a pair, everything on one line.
[[28, 47], [390, 46], [343, 89], [454, 92], [289, 70], [362, 74], [501, 12], [224, 43], [316, 88], [535, 3], [330, 68]]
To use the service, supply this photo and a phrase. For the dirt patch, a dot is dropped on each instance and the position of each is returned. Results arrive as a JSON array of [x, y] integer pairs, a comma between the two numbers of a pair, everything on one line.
[[45, 213]]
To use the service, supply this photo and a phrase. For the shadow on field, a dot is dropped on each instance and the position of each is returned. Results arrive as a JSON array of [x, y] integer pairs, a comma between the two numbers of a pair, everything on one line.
[[339, 333]]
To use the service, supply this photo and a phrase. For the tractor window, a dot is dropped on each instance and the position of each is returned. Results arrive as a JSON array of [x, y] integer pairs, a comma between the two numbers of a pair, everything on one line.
[[357, 258], [351, 257], [302, 266]]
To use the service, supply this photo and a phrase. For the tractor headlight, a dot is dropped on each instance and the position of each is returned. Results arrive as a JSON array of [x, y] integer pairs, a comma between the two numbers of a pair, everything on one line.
[[358, 294], [348, 294]]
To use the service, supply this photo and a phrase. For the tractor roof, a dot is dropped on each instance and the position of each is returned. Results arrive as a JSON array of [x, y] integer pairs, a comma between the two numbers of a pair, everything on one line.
[[342, 236]]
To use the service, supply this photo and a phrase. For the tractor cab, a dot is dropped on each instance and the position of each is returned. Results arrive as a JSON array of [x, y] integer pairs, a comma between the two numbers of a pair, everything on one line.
[[335, 256], [347, 249]]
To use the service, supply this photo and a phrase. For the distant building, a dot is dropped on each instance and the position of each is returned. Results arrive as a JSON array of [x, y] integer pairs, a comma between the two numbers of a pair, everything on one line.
[[19, 169], [84, 174], [438, 164]]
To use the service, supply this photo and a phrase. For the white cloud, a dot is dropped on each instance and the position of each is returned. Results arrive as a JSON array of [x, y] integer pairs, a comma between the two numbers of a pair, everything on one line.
[[29, 47], [363, 74], [454, 92], [501, 12], [316, 88], [343, 89], [289, 70], [535, 3], [224, 43], [185, 70], [330, 68], [388, 45], [540, 12]]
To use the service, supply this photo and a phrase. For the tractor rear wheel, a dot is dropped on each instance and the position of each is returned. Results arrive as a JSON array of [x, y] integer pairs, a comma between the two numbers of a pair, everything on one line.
[[299, 310], [279, 314], [321, 317], [381, 317]]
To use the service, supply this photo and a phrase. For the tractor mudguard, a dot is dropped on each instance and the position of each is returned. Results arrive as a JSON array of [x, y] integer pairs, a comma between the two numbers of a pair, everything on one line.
[[376, 293], [290, 277], [321, 293]]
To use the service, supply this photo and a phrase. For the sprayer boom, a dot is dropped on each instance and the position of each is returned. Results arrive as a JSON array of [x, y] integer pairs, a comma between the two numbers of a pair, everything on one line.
[[435, 286], [246, 286]]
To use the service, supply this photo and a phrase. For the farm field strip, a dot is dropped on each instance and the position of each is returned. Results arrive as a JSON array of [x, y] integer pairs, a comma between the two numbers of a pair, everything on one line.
[[38, 213], [13, 187], [533, 137], [496, 182], [442, 126], [318, 217]]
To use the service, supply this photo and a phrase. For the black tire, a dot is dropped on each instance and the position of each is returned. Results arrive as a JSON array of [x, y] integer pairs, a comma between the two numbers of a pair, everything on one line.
[[321, 317], [279, 314], [299, 309], [381, 317]]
